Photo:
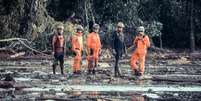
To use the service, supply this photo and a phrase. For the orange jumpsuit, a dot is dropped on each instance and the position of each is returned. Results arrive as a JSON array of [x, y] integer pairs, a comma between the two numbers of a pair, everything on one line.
[[93, 44], [140, 53], [77, 47]]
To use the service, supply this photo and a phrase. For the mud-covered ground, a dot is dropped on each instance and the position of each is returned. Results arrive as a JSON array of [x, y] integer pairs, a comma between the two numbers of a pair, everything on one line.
[[173, 76]]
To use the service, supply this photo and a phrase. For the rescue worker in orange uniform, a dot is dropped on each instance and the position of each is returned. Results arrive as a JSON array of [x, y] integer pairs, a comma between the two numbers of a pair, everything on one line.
[[93, 49], [141, 43], [58, 48], [77, 48]]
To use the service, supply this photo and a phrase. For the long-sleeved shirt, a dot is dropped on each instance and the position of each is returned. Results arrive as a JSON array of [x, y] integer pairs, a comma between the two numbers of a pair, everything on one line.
[[118, 42]]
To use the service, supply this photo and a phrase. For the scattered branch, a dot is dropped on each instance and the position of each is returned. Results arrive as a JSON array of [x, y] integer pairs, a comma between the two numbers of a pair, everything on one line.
[[21, 40]]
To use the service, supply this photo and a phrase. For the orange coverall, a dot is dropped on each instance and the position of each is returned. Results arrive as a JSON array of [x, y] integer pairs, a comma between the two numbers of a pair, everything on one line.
[[93, 44], [140, 53], [77, 47]]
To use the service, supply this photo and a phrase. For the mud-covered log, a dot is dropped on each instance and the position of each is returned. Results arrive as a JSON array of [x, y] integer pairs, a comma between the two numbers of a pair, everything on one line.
[[7, 84], [13, 84], [7, 50], [178, 78], [17, 54], [22, 43]]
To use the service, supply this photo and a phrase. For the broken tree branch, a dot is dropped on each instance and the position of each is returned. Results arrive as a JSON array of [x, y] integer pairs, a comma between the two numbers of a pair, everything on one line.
[[21, 40], [17, 54], [14, 39], [31, 48]]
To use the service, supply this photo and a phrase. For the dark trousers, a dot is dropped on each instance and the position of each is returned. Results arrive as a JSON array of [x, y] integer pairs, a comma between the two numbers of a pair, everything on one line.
[[118, 56], [58, 57]]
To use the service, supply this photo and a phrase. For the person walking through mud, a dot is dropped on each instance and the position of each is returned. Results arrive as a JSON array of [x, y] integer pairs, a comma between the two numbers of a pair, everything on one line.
[[77, 48], [58, 48], [141, 42], [93, 49], [118, 46]]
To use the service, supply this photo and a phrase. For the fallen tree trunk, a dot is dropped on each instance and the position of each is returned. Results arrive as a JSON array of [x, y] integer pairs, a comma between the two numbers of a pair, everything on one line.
[[7, 84], [17, 54], [32, 48], [8, 50], [170, 78], [13, 39], [179, 78], [13, 84], [21, 40]]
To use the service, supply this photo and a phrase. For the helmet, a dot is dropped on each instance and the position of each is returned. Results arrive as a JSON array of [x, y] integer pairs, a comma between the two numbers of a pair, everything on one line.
[[140, 29], [60, 26], [96, 26], [120, 24], [79, 27]]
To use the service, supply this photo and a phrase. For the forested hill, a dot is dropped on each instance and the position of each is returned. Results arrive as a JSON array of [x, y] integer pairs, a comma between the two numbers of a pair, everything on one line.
[[170, 23]]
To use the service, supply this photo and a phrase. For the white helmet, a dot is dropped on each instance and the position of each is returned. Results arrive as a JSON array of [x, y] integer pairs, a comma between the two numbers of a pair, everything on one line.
[[120, 24], [96, 26], [60, 26], [140, 29], [79, 27]]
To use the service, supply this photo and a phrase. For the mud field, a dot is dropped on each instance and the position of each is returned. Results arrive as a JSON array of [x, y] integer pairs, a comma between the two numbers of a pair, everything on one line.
[[168, 77]]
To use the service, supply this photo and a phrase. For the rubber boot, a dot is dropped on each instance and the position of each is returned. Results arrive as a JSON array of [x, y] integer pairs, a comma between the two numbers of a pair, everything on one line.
[[94, 67], [54, 69], [89, 68], [118, 71], [89, 72], [62, 67], [116, 66], [136, 72], [79, 72], [94, 71], [115, 71]]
